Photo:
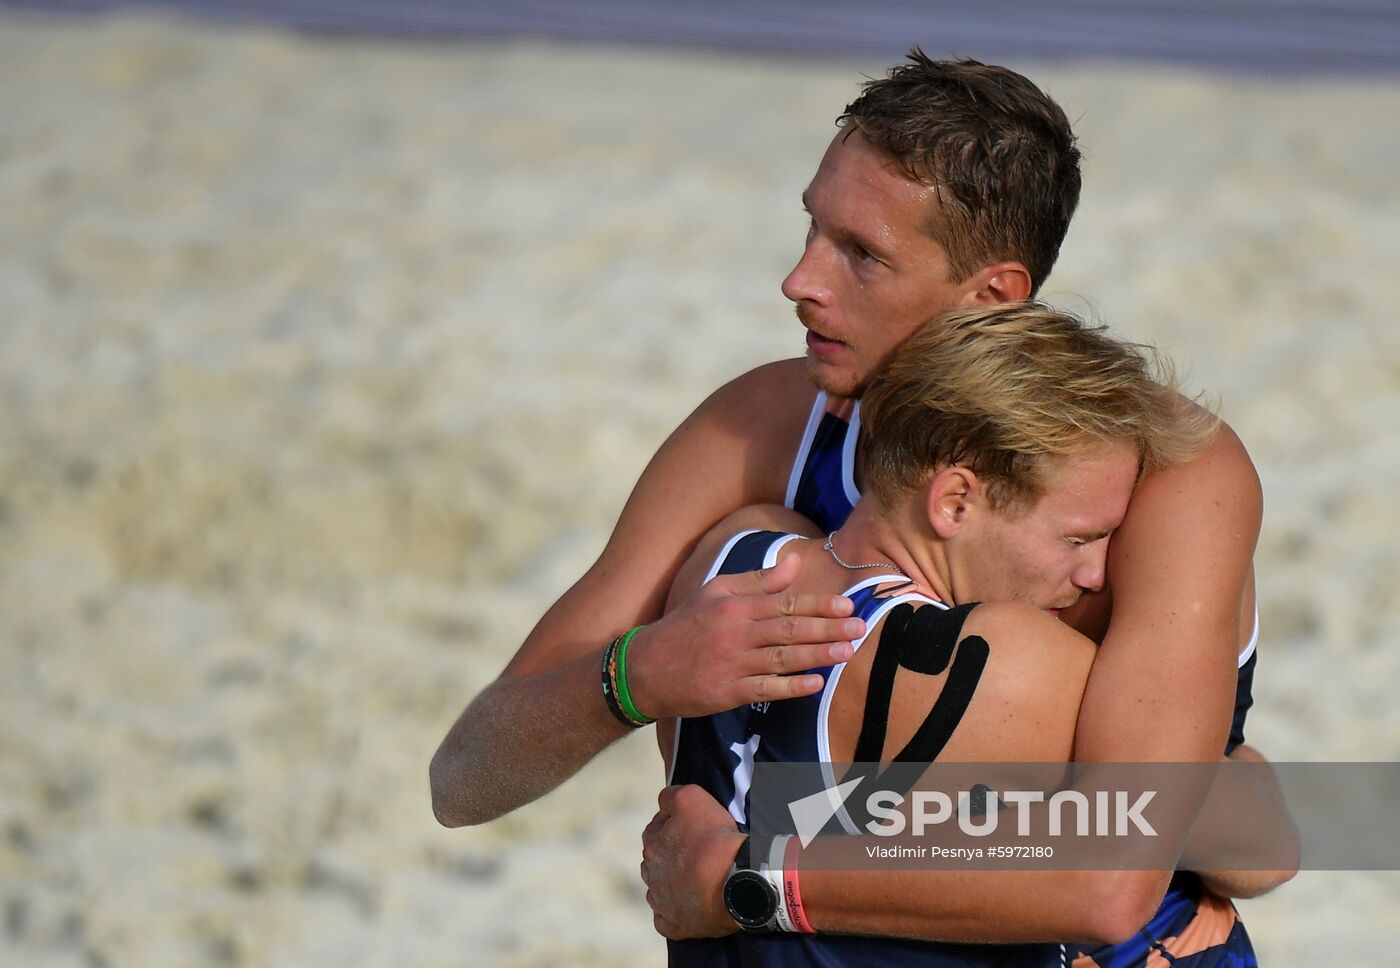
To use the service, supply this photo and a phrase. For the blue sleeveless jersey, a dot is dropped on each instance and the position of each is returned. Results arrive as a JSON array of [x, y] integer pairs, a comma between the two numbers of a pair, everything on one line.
[[822, 487], [718, 753]]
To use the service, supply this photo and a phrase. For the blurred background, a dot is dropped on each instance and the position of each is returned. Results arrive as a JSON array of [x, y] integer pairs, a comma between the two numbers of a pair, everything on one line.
[[333, 335]]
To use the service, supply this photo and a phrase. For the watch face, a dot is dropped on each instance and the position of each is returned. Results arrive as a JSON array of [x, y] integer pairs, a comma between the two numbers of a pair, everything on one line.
[[751, 899]]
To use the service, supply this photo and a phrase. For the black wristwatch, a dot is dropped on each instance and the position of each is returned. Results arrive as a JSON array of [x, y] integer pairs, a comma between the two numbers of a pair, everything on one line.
[[749, 896]]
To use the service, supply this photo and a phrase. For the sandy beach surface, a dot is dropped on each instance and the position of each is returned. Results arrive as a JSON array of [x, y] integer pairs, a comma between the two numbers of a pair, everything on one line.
[[326, 365]]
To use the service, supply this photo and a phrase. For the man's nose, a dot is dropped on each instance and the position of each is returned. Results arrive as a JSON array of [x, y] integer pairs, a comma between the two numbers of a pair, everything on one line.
[[1089, 574], [806, 282]]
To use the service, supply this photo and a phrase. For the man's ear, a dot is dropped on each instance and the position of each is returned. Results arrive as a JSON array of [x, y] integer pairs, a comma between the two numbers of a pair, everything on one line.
[[998, 283], [952, 493]]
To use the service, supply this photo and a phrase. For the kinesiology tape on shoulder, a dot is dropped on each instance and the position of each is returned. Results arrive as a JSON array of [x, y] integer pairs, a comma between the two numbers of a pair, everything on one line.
[[923, 640]]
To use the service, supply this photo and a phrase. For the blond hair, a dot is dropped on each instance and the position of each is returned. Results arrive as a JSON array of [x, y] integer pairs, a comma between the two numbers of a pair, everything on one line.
[[1002, 390]]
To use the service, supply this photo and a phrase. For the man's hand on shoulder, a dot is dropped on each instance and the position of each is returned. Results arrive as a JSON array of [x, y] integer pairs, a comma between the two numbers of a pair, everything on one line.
[[739, 639]]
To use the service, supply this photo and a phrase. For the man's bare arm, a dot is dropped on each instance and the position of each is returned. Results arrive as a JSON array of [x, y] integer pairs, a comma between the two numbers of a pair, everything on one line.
[[545, 717], [1162, 687], [1212, 510], [1095, 906]]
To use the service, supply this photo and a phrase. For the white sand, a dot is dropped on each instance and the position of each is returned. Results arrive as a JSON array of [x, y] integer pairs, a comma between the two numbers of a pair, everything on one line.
[[325, 366]]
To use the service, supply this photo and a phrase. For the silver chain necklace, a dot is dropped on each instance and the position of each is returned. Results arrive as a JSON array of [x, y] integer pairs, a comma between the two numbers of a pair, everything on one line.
[[830, 548]]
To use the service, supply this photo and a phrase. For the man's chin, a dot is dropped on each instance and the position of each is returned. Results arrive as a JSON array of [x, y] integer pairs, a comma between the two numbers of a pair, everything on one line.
[[835, 381]]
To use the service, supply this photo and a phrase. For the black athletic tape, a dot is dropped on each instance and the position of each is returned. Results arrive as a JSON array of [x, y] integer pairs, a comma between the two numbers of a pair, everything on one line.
[[921, 640], [935, 731], [928, 643], [880, 688]]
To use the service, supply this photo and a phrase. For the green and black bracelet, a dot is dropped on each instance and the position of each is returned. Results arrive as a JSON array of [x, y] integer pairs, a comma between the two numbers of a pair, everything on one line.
[[624, 694], [614, 676]]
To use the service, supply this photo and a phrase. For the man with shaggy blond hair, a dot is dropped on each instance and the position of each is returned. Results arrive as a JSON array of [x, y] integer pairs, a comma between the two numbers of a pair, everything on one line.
[[1001, 447], [1010, 388]]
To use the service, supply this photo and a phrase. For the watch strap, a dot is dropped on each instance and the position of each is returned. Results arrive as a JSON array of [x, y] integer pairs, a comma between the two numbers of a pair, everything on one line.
[[741, 859]]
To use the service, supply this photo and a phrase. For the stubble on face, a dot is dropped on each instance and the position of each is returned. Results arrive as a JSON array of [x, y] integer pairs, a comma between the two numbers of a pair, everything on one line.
[[838, 381]]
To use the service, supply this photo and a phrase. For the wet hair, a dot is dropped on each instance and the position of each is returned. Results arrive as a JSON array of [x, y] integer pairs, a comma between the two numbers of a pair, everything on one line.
[[997, 149], [1004, 390]]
